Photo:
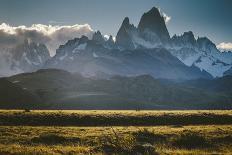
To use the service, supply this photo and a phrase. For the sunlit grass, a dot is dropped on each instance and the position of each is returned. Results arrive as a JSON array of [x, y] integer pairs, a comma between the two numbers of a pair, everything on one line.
[[95, 139], [126, 112], [159, 139]]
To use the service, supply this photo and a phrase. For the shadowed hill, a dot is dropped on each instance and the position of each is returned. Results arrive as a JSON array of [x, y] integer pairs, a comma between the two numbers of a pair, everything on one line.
[[60, 89], [13, 96]]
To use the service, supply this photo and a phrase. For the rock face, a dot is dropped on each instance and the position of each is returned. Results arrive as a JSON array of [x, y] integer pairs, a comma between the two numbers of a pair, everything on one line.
[[228, 72], [124, 38], [185, 40], [153, 22], [151, 32], [29, 56], [97, 36]]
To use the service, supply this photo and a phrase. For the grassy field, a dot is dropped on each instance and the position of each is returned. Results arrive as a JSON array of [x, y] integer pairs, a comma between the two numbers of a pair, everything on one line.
[[203, 136], [113, 118]]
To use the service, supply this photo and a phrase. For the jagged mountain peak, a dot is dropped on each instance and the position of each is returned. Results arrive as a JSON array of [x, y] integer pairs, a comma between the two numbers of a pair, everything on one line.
[[97, 36], [186, 39], [206, 44], [110, 42], [83, 39], [126, 21], [111, 39], [154, 22], [205, 40], [189, 35], [29, 56], [124, 35]]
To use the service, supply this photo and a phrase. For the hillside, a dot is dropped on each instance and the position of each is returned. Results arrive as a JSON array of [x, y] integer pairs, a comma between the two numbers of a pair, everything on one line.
[[60, 89]]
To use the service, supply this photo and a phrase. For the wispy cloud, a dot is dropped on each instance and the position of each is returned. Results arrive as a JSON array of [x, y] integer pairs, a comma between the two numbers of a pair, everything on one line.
[[224, 46], [166, 17]]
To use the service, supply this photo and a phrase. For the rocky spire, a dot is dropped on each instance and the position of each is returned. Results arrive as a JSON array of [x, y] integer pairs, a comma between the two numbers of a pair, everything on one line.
[[123, 38], [110, 41], [154, 22], [97, 36]]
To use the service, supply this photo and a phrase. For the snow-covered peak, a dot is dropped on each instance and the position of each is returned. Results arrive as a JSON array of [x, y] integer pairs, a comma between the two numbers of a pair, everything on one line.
[[29, 56]]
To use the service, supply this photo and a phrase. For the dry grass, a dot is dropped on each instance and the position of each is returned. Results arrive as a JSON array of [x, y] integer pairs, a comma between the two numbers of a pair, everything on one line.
[[113, 118], [127, 112], [163, 139], [101, 140]]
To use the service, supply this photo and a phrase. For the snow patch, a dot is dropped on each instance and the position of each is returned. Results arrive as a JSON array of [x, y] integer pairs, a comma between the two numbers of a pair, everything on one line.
[[71, 58], [214, 68], [95, 55], [40, 59], [15, 81], [62, 57], [82, 46]]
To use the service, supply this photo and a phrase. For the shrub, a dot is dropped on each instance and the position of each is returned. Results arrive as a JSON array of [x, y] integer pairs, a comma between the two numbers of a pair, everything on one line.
[[124, 144], [27, 110], [147, 136], [190, 140], [51, 139], [112, 143]]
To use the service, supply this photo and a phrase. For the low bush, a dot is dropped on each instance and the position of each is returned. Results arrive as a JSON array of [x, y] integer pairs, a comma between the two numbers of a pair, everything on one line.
[[190, 140], [51, 139], [146, 136], [126, 144]]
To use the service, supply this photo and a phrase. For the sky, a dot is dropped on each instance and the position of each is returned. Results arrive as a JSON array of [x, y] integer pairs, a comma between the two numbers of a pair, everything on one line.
[[211, 18]]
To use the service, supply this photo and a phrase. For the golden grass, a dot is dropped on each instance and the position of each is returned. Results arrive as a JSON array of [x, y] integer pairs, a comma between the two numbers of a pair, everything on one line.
[[127, 112], [92, 140], [43, 149], [17, 139]]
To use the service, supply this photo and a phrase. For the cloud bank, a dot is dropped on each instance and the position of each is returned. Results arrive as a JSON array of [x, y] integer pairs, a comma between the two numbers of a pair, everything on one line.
[[225, 46], [51, 36]]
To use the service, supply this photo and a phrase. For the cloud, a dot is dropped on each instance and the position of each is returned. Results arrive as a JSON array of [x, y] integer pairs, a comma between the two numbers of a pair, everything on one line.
[[50, 35], [6, 68], [166, 17], [224, 46]]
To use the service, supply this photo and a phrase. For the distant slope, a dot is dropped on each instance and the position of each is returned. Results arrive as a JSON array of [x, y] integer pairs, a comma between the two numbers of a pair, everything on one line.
[[222, 84], [62, 90], [13, 96]]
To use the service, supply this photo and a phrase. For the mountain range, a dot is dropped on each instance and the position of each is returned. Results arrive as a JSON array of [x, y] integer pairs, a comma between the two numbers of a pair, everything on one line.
[[145, 49]]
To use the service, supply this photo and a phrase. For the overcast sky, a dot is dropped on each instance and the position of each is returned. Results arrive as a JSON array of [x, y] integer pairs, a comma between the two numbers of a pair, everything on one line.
[[211, 18]]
